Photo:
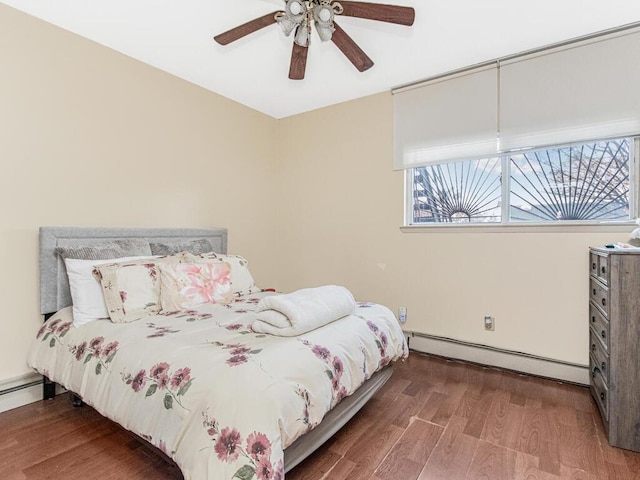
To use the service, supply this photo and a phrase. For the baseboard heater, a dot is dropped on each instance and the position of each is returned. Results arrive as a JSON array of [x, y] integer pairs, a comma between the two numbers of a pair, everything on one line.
[[19, 391], [21, 387], [499, 357]]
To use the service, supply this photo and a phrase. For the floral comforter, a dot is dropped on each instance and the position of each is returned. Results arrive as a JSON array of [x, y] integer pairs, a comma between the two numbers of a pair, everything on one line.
[[219, 399]]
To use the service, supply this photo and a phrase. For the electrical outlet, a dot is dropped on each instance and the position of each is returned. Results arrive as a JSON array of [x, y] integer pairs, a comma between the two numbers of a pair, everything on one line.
[[489, 323], [402, 314]]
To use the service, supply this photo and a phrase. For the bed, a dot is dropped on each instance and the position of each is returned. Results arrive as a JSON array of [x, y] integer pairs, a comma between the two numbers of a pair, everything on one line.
[[221, 400]]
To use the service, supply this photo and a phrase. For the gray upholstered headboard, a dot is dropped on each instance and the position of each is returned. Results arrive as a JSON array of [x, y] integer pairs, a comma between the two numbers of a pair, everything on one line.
[[54, 285]]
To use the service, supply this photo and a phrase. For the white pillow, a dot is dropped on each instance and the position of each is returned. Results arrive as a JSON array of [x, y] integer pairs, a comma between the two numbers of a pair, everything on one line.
[[86, 292]]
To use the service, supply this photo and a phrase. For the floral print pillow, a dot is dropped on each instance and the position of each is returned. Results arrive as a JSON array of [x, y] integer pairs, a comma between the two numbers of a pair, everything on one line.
[[187, 285], [242, 282], [132, 289]]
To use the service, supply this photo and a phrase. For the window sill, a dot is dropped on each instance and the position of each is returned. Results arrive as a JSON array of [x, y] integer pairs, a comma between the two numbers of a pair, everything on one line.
[[606, 227]]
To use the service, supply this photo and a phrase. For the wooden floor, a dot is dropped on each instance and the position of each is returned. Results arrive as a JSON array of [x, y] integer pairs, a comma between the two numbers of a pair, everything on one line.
[[435, 419]]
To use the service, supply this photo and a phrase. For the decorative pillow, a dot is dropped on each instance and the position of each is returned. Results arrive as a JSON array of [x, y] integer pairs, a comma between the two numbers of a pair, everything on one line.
[[171, 247], [132, 289], [242, 282], [110, 250], [86, 292], [187, 285]]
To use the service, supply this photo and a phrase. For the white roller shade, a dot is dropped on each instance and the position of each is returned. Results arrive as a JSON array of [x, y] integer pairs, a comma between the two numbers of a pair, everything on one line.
[[448, 119], [585, 91]]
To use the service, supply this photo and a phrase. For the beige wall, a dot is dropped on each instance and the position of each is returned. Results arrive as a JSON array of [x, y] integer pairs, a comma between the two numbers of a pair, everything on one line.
[[89, 137], [343, 207]]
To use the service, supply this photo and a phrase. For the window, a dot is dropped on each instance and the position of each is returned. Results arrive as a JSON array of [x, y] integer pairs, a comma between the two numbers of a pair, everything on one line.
[[591, 182]]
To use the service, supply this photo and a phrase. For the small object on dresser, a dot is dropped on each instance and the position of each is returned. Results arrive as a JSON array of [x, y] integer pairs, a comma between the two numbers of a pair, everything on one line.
[[620, 245]]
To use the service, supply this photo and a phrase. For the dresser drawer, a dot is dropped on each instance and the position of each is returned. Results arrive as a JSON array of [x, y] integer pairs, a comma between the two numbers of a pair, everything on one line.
[[593, 263], [599, 267], [599, 295], [600, 326], [603, 269], [600, 358], [599, 391]]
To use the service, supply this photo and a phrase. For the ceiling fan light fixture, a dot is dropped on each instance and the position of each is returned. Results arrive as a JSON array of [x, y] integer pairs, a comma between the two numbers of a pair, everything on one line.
[[323, 13], [302, 35], [286, 23], [325, 33], [295, 9], [323, 19], [294, 15]]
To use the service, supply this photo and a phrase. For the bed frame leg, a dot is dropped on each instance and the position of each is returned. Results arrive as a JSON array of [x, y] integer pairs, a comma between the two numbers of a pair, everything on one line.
[[48, 389], [49, 392]]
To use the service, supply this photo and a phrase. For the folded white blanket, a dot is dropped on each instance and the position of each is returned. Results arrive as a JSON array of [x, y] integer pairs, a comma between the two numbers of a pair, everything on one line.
[[304, 310]]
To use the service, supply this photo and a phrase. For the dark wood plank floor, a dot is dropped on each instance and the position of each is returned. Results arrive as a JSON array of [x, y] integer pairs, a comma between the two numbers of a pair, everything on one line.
[[435, 419]]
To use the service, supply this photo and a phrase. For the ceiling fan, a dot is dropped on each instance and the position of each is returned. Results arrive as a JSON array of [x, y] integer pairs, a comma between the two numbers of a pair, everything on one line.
[[299, 15]]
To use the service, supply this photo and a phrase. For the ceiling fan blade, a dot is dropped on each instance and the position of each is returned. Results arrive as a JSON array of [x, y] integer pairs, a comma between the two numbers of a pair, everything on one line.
[[379, 11], [245, 29], [352, 51], [298, 62]]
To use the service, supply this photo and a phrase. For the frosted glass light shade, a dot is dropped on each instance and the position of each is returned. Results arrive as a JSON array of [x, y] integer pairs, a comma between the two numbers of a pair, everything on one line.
[[324, 32], [286, 24], [302, 35], [323, 16]]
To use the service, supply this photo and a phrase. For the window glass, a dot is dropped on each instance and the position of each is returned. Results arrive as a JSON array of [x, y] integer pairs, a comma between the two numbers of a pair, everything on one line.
[[585, 182], [581, 182], [457, 192]]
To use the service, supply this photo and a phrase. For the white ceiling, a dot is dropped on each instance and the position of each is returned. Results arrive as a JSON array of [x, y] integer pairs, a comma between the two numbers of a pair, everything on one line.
[[176, 36]]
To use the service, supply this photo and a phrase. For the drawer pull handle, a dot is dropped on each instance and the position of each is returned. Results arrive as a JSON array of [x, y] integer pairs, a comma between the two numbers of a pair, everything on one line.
[[593, 319], [603, 365], [602, 396], [593, 291], [593, 347], [604, 270], [593, 266], [593, 373], [603, 334], [604, 302]]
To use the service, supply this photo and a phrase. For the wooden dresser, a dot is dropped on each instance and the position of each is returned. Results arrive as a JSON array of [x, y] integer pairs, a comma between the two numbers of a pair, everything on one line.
[[614, 342]]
